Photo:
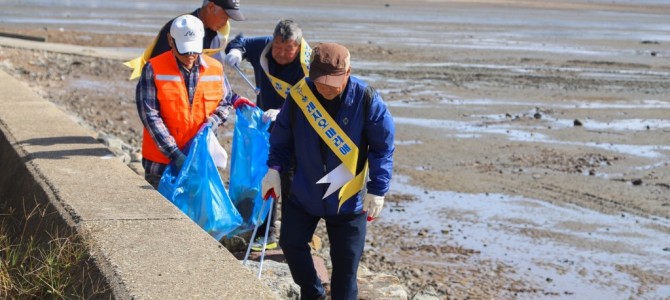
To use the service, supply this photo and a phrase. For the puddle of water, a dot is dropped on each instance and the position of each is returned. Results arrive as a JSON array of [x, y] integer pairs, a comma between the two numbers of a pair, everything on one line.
[[641, 104], [581, 260], [425, 25], [514, 134], [414, 142], [614, 125], [647, 167], [465, 135]]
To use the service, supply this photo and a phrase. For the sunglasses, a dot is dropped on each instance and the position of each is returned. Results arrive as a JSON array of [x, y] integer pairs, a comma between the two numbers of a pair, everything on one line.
[[188, 53], [183, 53]]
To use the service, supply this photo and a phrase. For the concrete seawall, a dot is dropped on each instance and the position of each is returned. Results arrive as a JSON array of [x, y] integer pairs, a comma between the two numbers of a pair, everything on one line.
[[143, 246]]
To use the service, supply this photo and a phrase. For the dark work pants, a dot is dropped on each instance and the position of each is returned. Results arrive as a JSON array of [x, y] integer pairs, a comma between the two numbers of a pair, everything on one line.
[[347, 239]]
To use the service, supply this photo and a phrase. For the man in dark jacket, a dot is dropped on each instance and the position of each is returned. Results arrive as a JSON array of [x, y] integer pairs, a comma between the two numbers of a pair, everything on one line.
[[279, 61], [340, 132], [214, 14]]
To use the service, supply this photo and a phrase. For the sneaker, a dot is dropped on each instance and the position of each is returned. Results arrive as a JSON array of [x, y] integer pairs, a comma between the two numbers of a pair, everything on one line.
[[271, 245]]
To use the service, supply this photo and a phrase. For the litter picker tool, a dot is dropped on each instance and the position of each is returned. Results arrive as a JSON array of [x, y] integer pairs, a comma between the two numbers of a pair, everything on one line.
[[256, 90], [269, 197]]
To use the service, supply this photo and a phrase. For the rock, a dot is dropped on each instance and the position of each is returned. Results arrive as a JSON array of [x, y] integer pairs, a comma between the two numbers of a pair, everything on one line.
[[380, 286], [637, 182], [277, 277], [577, 122], [137, 168], [274, 255], [236, 243], [113, 143], [325, 254], [363, 270], [321, 270], [136, 156], [427, 294], [315, 244], [125, 158]]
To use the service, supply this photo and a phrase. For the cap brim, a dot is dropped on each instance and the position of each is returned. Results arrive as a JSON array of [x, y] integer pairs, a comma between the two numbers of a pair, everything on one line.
[[189, 47], [235, 14], [320, 76]]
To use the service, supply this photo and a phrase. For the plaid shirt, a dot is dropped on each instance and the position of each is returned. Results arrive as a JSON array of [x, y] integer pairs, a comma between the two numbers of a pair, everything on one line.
[[149, 111]]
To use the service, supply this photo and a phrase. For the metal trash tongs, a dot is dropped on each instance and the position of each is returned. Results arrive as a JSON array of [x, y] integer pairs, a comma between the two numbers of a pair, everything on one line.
[[256, 89], [268, 199]]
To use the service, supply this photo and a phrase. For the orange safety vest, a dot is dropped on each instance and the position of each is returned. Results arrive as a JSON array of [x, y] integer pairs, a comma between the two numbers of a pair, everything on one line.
[[181, 119]]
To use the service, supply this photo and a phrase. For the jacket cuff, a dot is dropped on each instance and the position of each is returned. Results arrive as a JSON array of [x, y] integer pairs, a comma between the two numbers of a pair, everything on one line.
[[175, 154]]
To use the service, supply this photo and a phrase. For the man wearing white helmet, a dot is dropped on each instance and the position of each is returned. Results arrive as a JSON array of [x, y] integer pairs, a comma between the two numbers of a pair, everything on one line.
[[178, 91]]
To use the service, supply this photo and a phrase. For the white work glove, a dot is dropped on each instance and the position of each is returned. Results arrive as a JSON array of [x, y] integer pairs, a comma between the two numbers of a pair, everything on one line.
[[373, 205], [271, 181], [270, 115], [233, 58]]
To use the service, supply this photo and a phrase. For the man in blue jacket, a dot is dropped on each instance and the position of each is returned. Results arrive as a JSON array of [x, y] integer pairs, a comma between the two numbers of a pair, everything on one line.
[[279, 62], [340, 132]]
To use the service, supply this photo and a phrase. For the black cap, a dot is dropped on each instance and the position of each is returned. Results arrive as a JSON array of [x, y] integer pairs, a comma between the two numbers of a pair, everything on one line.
[[232, 8]]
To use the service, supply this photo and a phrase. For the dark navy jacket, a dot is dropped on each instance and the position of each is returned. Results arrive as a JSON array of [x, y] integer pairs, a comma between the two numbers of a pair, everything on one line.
[[370, 128], [251, 49]]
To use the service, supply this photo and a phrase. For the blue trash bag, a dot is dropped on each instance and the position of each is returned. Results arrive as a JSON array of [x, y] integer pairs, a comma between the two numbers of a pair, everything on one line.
[[198, 191], [248, 165]]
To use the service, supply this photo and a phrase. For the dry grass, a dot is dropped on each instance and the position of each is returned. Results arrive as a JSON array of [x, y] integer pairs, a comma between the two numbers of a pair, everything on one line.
[[55, 267]]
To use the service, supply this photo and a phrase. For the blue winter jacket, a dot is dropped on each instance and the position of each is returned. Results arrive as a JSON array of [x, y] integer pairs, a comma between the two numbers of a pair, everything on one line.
[[370, 128], [251, 49]]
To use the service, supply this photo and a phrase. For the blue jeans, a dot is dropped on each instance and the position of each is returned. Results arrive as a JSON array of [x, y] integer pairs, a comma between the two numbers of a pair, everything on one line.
[[347, 240]]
